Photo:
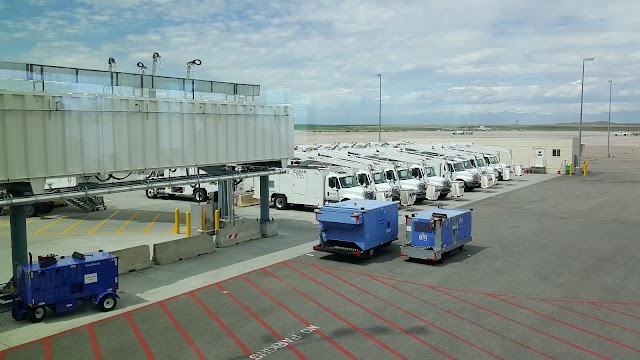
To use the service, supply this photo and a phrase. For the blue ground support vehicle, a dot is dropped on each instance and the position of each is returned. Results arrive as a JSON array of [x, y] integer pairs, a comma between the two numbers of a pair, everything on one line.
[[357, 227], [432, 233], [58, 283]]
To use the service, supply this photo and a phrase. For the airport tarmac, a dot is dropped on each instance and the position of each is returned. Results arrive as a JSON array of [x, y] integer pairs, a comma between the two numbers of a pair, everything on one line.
[[551, 273]]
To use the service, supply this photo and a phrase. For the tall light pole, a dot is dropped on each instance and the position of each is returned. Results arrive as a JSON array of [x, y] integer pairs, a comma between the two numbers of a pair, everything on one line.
[[609, 126], [380, 112], [581, 102]]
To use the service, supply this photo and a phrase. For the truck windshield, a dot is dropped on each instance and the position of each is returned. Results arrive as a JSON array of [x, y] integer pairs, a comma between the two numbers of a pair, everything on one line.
[[494, 160], [378, 178], [363, 179], [416, 173], [404, 174], [430, 172], [458, 167], [480, 162], [467, 164], [348, 182]]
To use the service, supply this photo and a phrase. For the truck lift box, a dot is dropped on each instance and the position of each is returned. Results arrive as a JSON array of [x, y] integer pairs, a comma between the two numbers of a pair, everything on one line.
[[59, 282], [357, 227], [432, 233]]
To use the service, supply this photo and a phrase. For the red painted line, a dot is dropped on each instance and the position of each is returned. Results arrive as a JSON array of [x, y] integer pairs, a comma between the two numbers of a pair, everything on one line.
[[522, 324], [347, 322], [374, 314], [183, 332], [463, 318], [300, 318], [138, 334], [472, 291], [94, 343], [259, 320], [575, 327], [616, 311], [222, 325], [48, 353], [422, 320], [595, 318], [2, 355]]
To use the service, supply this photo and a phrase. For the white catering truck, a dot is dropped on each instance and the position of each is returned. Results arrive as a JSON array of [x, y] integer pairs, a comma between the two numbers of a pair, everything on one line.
[[310, 186]]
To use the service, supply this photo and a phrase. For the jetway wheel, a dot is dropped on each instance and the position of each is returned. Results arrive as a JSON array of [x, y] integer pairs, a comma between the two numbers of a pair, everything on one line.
[[30, 210]]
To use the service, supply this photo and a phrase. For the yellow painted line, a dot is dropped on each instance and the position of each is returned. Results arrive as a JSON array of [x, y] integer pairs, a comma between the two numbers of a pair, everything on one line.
[[146, 230], [103, 222], [50, 225], [127, 223], [77, 223], [30, 221]]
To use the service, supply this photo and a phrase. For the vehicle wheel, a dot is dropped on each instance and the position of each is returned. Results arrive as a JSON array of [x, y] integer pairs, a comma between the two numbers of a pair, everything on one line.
[[151, 193], [467, 187], [107, 302], [460, 247], [200, 194], [387, 244], [46, 207], [30, 210], [37, 314], [419, 201], [280, 201]]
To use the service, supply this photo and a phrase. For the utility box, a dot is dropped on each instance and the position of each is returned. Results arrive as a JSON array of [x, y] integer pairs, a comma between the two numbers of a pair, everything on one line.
[[357, 227], [432, 233], [59, 282]]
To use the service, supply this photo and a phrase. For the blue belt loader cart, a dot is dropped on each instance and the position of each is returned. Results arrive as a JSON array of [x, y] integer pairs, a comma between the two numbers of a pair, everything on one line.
[[432, 233], [357, 227], [58, 283]]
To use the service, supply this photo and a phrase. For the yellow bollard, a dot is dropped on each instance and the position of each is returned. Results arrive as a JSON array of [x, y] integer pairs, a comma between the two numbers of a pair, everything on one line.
[[217, 220], [203, 221], [570, 169], [188, 216], [585, 167], [176, 225]]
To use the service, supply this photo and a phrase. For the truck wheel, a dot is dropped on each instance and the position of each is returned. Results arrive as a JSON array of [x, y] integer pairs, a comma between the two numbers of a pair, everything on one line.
[[151, 193], [200, 194], [37, 314], [107, 302], [280, 201], [30, 210], [467, 187], [418, 201]]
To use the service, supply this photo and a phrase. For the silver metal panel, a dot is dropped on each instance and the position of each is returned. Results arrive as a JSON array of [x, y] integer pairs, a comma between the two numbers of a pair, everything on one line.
[[44, 135]]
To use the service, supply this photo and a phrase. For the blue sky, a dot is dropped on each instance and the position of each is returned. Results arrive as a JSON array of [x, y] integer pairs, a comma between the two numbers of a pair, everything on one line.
[[440, 61]]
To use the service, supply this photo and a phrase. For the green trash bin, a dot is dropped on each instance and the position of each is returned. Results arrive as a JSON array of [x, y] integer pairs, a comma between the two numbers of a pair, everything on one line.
[[567, 169]]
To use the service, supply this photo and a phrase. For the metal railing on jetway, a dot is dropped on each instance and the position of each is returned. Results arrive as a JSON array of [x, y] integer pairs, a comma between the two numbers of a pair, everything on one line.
[[48, 78], [112, 188]]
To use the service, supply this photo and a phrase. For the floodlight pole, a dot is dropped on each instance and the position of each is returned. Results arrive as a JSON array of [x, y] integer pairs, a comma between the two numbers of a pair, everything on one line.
[[609, 125], [380, 112], [581, 104]]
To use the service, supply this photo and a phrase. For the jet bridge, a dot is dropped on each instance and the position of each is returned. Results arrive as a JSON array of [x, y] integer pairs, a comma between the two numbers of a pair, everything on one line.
[[60, 122]]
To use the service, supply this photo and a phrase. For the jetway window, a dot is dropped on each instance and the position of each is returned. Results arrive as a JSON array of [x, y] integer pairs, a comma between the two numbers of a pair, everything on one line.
[[556, 152]]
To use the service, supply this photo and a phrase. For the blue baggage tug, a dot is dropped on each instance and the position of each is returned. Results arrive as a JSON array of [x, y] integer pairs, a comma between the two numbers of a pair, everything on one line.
[[432, 233], [357, 227], [59, 282]]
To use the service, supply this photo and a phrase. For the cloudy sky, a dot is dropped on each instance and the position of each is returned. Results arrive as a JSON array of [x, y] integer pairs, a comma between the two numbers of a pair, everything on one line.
[[441, 61]]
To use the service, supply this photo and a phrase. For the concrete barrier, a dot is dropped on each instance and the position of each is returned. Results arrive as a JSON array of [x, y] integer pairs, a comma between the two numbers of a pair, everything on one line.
[[244, 200], [133, 258], [182, 249], [243, 230]]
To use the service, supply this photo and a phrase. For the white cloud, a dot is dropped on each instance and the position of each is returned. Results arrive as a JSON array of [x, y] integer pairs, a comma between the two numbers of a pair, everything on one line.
[[454, 56]]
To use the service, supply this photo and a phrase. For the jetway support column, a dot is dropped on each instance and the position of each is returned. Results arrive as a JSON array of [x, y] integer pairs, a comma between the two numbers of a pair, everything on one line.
[[264, 199], [268, 227], [18, 223]]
